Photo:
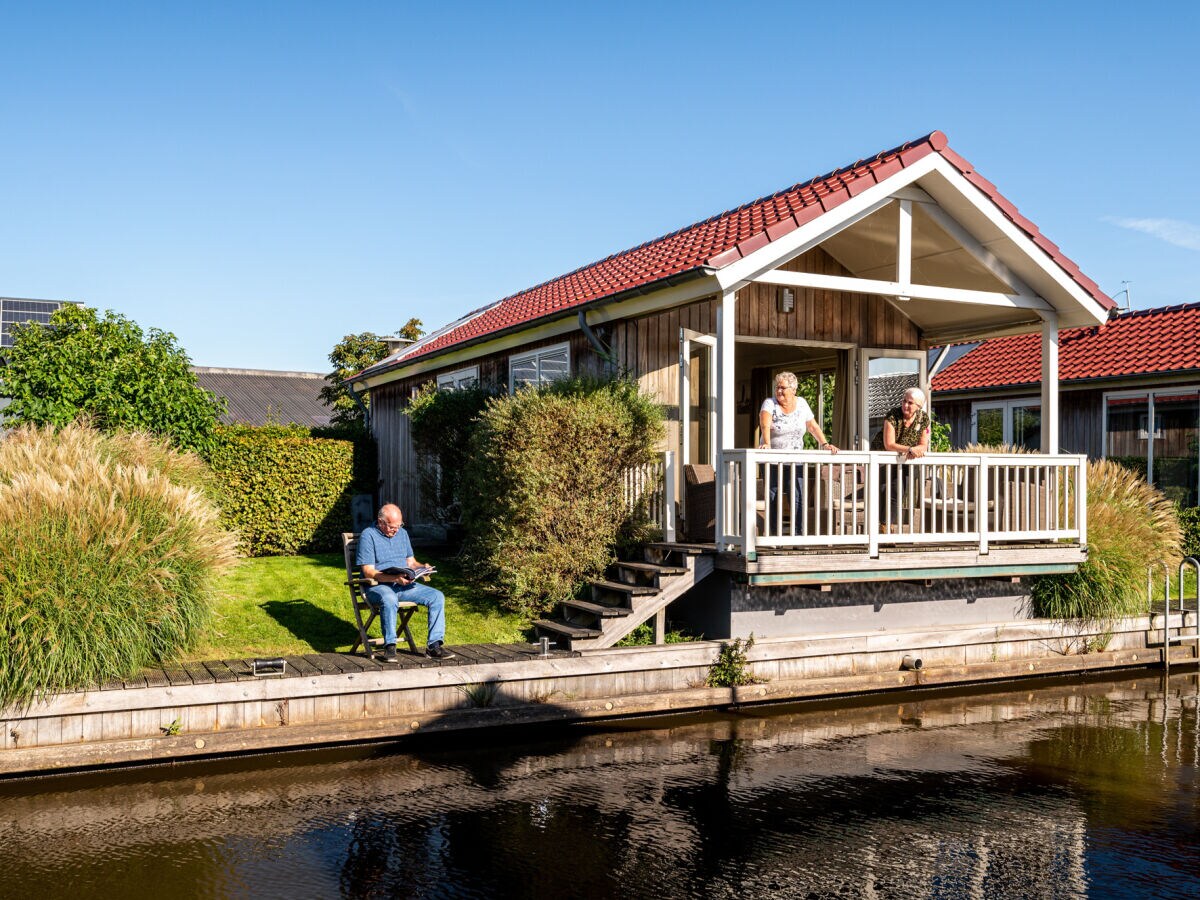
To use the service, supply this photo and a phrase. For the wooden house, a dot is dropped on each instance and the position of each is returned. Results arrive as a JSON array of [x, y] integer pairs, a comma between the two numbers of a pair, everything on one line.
[[1129, 390], [853, 276]]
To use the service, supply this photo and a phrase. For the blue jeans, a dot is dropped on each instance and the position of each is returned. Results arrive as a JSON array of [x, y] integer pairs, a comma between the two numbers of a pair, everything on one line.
[[794, 490], [386, 599]]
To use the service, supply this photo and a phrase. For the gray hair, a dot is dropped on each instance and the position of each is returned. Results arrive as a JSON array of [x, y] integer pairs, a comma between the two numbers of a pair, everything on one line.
[[787, 379], [916, 395]]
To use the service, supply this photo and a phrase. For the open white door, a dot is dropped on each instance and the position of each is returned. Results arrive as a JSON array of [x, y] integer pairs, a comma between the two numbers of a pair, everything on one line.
[[883, 376], [697, 398]]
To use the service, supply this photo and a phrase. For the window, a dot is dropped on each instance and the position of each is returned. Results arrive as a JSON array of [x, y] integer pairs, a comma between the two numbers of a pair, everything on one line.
[[539, 367], [458, 379], [1017, 423], [1167, 452]]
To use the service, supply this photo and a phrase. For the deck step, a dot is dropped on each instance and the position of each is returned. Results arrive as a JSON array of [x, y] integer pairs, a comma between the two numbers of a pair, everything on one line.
[[620, 587], [571, 631], [685, 549], [646, 568], [598, 609]]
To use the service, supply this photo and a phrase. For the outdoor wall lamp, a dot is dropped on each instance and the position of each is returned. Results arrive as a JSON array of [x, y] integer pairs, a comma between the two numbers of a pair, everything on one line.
[[786, 301]]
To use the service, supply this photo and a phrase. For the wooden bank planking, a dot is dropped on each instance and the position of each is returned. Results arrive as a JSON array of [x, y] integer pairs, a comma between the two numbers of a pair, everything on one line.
[[220, 708]]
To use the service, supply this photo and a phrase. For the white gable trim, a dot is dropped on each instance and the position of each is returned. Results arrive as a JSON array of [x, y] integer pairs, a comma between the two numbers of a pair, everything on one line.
[[811, 234]]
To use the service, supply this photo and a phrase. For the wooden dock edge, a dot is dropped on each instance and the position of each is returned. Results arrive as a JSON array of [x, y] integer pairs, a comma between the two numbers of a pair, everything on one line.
[[68, 731]]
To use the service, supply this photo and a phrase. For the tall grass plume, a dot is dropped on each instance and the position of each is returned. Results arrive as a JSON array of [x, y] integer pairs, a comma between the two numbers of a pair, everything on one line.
[[109, 551], [1130, 524]]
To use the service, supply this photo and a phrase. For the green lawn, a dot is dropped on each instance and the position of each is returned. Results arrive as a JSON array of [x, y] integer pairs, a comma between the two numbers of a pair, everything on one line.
[[288, 605]]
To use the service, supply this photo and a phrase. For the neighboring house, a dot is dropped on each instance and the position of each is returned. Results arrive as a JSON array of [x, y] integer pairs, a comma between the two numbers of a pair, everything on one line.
[[258, 397], [854, 274], [1115, 380]]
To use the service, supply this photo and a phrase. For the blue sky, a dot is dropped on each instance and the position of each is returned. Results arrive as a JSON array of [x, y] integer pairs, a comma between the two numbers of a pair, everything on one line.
[[261, 179]]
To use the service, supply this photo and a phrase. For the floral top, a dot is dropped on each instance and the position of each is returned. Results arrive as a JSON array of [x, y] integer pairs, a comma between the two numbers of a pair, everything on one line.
[[911, 436], [788, 429]]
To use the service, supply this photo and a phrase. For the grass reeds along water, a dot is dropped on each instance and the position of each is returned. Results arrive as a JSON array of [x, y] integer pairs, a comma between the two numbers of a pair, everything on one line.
[[109, 553], [1130, 525]]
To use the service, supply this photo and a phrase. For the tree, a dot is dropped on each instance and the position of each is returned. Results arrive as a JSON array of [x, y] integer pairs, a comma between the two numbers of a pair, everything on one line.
[[352, 354], [106, 368]]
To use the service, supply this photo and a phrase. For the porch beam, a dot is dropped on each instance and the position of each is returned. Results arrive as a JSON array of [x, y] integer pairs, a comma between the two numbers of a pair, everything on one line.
[[895, 289], [982, 254], [1050, 383], [904, 246]]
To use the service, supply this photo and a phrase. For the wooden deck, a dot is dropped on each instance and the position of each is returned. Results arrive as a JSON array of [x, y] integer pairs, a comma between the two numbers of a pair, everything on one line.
[[315, 664]]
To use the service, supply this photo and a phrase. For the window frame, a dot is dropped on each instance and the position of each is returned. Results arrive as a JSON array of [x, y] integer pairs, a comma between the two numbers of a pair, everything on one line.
[[1007, 407], [1149, 393], [537, 356], [452, 381]]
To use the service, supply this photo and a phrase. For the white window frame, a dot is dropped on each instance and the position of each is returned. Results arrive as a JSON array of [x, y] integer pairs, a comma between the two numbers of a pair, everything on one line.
[[453, 381], [536, 357], [1007, 406], [1151, 416]]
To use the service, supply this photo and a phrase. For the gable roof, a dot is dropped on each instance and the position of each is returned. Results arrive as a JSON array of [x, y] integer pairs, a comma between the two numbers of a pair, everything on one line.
[[714, 243], [256, 397], [1145, 342]]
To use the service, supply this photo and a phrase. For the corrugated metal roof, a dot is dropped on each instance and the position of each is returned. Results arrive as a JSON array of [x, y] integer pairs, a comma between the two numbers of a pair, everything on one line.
[[256, 397]]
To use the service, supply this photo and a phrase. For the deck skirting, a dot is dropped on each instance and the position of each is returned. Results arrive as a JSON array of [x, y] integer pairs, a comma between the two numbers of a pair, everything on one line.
[[175, 721]]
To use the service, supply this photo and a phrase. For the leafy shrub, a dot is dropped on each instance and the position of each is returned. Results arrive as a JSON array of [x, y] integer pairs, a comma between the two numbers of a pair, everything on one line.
[[542, 492], [108, 555], [731, 666], [1189, 522], [442, 424], [1129, 525], [285, 491], [643, 636], [106, 369]]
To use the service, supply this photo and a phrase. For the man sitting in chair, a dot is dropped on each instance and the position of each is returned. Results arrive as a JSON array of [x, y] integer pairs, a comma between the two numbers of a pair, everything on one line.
[[382, 546]]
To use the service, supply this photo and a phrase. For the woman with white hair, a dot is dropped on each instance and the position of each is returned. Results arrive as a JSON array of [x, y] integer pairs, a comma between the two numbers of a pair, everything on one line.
[[906, 431]]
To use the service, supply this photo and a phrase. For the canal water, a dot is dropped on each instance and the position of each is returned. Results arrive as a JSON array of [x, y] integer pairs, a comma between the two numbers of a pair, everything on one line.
[[1048, 789]]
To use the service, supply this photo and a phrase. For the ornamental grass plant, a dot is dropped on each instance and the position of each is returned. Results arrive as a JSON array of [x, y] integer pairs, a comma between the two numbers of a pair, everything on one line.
[[109, 552], [1130, 525]]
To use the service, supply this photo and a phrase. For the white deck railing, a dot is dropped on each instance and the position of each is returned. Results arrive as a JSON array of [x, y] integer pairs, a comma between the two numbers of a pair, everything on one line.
[[653, 488], [869, 500]]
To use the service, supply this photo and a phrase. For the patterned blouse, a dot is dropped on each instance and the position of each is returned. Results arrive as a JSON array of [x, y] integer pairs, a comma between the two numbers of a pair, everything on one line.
[[908, 437]]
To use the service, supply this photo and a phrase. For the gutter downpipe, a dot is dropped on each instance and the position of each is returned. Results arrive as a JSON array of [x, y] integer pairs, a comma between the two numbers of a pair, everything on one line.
[[359, 403], [606, 354]]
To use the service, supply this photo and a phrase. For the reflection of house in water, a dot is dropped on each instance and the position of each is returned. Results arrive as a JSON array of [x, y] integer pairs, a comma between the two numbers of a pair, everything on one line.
[[950, 795]]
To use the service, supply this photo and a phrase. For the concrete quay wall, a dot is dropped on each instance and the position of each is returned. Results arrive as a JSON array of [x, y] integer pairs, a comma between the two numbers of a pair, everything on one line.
[[90, 729]]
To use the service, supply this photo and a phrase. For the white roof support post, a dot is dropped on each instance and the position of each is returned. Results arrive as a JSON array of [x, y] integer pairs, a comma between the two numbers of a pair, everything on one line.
[[1050, 414], [904, 246], [726, 326]]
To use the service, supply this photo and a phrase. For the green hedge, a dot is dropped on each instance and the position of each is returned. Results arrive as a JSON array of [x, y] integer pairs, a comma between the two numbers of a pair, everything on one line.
[[285, 491]]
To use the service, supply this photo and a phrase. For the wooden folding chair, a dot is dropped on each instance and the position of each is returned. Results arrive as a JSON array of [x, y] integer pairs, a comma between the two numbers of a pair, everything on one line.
[[358, 598]]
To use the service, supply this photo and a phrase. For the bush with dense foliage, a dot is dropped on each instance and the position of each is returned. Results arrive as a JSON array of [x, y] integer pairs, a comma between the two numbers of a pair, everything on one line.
[[109, 551], [1189, 522], [442, 425], [107, 370], [542, 492], [1129, 525], [283, 490]]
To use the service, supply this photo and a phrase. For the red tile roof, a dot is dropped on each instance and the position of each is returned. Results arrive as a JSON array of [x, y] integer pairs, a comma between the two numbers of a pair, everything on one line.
[[718, 241], [1145, 342]]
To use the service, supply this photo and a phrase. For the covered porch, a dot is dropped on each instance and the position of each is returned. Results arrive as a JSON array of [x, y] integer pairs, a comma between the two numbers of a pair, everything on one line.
[[853, 305]]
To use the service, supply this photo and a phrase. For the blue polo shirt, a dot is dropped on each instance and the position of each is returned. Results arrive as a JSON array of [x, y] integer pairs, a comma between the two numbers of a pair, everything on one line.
[[378, 550]]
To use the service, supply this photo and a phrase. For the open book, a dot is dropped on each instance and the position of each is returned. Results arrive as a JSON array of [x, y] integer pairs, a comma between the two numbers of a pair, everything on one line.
[[410, 574]]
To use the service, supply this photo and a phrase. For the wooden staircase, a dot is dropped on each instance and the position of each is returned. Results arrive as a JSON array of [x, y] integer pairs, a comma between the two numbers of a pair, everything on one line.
[[633, 593]]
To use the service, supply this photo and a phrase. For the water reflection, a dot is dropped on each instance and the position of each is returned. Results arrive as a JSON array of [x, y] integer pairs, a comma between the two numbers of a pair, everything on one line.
[[1088, 788]]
